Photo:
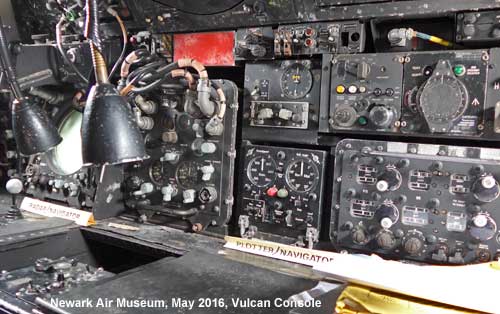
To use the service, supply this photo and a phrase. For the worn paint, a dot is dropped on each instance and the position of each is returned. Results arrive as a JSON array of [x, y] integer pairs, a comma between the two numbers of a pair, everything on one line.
[[211, 49]]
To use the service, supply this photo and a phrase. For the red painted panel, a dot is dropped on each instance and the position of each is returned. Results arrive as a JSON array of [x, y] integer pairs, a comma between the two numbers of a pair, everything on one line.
[[211, 49]]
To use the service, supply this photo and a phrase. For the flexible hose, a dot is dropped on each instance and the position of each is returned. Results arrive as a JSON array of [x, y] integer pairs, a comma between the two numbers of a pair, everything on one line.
[[179, 213], [92, 34], [7, 64], [125, 40]]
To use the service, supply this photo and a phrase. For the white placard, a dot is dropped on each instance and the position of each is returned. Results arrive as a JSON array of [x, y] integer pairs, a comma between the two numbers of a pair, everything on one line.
[[47, 209], [280, 251]]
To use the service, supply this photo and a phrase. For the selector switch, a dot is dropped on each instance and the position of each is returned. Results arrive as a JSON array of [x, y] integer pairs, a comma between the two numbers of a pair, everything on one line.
[[387, 214], [389, 180], [486, 189], [189, 196], [483, 227], [381, 116], [146, 188], [359, 235], [413, 243], [171, 157], [207, 172], [168, 192], [385, 239]]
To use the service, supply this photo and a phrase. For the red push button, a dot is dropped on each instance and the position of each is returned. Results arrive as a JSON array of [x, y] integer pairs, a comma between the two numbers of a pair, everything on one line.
[[272, 191]]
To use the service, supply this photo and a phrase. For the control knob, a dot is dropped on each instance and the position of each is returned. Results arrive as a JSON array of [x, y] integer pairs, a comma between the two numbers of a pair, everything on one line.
[[382, 116], [387, 214], [168, 192], [385, 239], [188, 196], [171, 157], [146, 188], [207, 171], [389, 180], [359, 235], [413, 243], [486, 189], [483, 227]]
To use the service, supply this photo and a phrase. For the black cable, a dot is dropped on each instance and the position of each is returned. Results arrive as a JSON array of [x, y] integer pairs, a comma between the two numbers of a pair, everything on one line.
[[7, 63], [92, 24], [196, 13], [124, 48], [63, 53]]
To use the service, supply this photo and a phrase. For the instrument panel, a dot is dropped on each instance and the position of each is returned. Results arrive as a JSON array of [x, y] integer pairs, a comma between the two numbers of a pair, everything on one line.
[[282, 95], [281, 193], [439, 94], [429, 203], [188, 180]]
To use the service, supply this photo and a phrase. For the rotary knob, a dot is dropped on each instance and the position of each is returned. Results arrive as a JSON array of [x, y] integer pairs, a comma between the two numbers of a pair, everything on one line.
[[387, 214], [486, 189], [413, 243], [483, 227], [389, 180], [345, 116], [381, 116], [385, 239], [359, 236]]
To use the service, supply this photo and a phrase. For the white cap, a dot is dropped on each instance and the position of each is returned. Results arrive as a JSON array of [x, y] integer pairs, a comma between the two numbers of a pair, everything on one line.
[[488, 182], [386, 222], [480, 220], [14, 186], [382, 185]]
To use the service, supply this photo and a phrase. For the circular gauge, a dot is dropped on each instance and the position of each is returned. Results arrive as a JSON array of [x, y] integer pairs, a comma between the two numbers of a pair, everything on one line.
[[443, 99], [187, 174], [261, 170], [302, 175], [156, 172], [296, 81], [66, 158]]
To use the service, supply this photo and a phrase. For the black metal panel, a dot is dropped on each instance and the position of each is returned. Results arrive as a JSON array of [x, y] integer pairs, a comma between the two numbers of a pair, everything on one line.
[[432, 203], [281, 193], [194, 180], [251, 13], [281, 106], [191, 277]]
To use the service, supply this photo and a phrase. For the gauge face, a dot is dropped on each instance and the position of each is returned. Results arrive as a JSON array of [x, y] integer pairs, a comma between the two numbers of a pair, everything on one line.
[[302, 176], [296, 81], [66, 158], [443, 99], [156, 172], [261, 170], [187, 174]]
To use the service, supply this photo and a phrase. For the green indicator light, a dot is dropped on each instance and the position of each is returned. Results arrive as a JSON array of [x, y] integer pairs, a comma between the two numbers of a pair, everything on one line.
[[282, 193], [459, 70], [362, 120]]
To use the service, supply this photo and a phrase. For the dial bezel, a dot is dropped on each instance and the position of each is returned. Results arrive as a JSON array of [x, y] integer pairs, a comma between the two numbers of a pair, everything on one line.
[[315, 179], [249, 166], [305, 71]]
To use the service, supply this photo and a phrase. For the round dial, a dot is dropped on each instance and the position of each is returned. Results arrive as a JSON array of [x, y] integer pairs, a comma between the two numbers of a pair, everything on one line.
[[443, 99], [296, 81], [302, 175], [486, 189], [156, 172], [261, 170], [187, 174], [483, 227]]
